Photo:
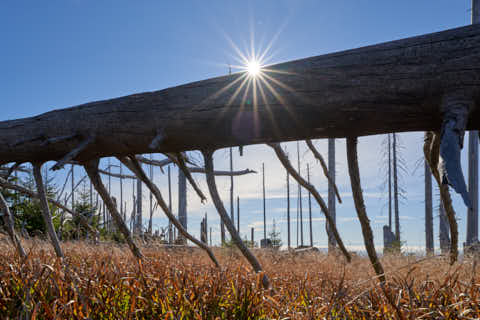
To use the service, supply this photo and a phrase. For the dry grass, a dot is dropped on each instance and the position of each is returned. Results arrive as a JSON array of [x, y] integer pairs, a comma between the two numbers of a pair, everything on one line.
[[105, 282]]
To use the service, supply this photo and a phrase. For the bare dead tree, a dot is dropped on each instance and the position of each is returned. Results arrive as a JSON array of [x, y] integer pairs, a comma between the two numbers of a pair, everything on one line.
[[91, 167], [288, 166], [47, 217], [212, 186]]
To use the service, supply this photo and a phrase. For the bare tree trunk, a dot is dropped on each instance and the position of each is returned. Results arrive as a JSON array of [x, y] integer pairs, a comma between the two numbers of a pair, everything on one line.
[[395, 190], [10, 226], [182, 203], [310, 208], [288, 166], [232, 213], [47, 217], [360, 206], [170, 230], [300, 200], [331, 192], [238, 214], [212, 186], [264, 205], [139, 217], [91, 168], [150, 222], [389, 182], [135, 167], [444, 233], [429, 244], [472, 212], [288, 211]]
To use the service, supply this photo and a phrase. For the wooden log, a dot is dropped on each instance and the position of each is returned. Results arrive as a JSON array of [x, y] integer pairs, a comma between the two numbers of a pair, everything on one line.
[[391, 87]]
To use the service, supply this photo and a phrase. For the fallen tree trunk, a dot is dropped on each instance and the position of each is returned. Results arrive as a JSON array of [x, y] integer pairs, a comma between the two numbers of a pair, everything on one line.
[[390, 87]]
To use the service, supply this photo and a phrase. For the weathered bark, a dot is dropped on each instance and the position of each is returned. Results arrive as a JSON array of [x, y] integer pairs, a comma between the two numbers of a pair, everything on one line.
[[134, 166], [47, 217], [431, 150], [212, 187], [444, 230], [429, 244], [390, 87], [332, 190], [9, 225], [360, 206], [91, 168], [182, 203], [288, 166]]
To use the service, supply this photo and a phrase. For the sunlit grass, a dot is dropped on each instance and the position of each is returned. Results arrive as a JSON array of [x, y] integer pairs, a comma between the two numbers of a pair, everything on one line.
[[105, 282]]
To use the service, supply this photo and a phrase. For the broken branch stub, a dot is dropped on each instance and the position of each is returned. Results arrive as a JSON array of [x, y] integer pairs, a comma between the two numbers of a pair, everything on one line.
[[91, 167], [132, 164], [212, 187], [288, 166]]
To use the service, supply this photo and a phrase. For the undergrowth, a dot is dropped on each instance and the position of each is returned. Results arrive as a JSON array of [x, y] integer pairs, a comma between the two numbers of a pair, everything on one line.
[[106, 282]]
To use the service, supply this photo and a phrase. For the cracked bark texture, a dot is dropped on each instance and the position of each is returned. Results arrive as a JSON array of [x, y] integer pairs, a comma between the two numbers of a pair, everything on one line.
[[334, 95]]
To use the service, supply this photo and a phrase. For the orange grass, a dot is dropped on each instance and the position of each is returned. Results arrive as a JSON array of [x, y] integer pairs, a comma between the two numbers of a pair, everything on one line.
[[106, 282]]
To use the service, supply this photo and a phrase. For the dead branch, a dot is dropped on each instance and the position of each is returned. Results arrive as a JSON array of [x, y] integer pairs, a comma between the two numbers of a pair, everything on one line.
[[360, 206], [431, 149], [132, 164], [47, 217], [288, 166], [91, 167], [319, 157], [179, 159], [212, 186]]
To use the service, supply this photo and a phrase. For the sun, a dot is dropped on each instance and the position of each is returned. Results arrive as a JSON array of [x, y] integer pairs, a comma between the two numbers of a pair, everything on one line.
[[253, 68]]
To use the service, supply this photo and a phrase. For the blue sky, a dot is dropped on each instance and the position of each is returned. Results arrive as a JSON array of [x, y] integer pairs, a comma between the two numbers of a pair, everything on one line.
[[62, 53]]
